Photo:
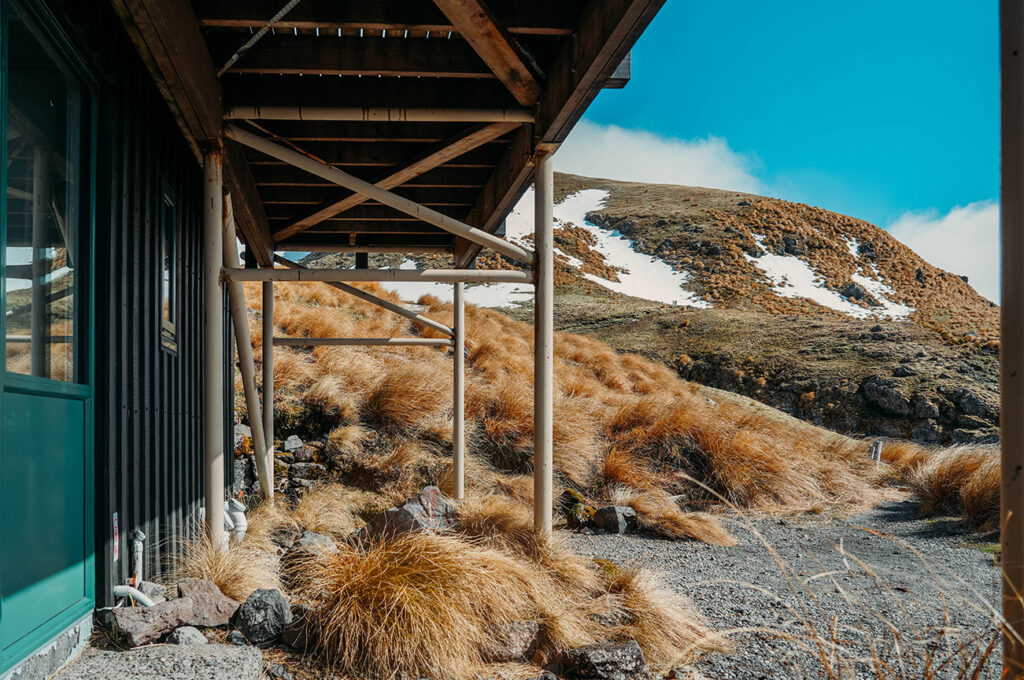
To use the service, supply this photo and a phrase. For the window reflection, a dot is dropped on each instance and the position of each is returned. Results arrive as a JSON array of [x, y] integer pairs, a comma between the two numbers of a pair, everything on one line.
[[43, 146]]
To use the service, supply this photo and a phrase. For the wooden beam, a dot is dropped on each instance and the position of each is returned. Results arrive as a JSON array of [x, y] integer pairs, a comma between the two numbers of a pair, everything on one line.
[[312, 55], [444, 176], [374, 16], [371, 154], [170, 42], [448, 150], [392, 242], [380, 275], [321, 195], [495, 46], [247, 206]]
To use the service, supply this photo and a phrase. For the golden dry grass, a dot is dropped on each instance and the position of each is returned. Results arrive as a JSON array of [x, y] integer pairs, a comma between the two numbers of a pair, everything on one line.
[[238, 570], [960, 480]]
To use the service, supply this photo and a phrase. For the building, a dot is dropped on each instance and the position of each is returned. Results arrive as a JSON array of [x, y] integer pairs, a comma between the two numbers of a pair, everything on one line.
[[140, 133]]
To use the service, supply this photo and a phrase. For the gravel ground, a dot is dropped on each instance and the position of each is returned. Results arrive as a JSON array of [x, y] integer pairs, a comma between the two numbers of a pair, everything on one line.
[[928, 578]]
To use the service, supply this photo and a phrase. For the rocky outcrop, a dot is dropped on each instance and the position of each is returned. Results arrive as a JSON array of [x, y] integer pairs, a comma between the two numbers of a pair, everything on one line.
[[606, 661]]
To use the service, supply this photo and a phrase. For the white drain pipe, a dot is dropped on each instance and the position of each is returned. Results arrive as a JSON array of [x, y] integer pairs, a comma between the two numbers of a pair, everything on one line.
[[138, 545], [235, 510], [135, 593]]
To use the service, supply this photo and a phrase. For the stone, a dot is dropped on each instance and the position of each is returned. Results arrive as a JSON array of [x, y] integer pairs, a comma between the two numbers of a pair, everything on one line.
[[922, 408], [143, 625], [606, 661], [168, 662], [574, 508], [279, 672], [853, 291], [306, 470], [973, 405], [881, 393], [903, 372], [244, 479], [236, 638], [429, 510], [513, 643], [919, 275], [286, 458], [263, 616], [211, 608], [616, 519], [295, 634], [285, 537], [313, 540], [187, 635], [305, 454], [155, 591], [293, 442]]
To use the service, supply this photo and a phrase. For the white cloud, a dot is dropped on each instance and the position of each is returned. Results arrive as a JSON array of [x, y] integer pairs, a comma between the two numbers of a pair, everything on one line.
[[963, 241], [612, 152]]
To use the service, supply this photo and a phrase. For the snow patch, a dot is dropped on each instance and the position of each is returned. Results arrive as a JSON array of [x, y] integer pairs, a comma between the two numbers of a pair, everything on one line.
[[852, 245], [644, 277], [794, 278]]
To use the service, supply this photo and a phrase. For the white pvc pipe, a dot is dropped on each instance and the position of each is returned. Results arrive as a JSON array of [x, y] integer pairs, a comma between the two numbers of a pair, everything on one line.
[[337, 275], [543, 346], [138, 595], [268, 369], [373, 299], [398, 342], [400, 203], [459, 396], [213, 346], [379, 114], [243, 342]]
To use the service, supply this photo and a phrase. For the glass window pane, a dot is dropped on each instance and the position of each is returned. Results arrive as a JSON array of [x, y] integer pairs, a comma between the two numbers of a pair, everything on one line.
[[43, 134]]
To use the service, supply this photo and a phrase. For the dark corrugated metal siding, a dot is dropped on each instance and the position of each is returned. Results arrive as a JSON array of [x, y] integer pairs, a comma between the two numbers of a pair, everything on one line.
[[149, 401]]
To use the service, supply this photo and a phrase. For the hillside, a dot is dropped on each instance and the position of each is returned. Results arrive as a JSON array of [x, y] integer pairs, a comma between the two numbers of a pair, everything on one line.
[[824, 316]]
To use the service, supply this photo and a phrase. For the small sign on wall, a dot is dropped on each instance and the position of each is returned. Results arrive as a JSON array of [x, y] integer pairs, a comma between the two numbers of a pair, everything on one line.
[[117, 540]]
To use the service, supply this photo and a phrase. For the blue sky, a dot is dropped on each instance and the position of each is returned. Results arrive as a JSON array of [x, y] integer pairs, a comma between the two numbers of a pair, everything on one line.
[[888, 111]]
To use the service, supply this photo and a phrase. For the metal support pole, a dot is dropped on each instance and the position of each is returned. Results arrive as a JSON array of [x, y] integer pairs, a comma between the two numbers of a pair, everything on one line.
[[268, 368], [459, 396], [213, 346], [543, 344], [243, 342], [1011, 353]]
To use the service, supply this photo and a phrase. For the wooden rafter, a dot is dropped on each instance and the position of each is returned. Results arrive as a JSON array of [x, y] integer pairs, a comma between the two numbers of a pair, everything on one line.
[[495, 46], [446, 151]]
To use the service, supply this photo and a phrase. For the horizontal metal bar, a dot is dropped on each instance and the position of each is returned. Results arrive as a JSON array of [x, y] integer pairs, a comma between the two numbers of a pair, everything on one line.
[[374, 300], [427, 275], [344, 248], [47, 339], [399, 342], [391, 114], [333, 174]]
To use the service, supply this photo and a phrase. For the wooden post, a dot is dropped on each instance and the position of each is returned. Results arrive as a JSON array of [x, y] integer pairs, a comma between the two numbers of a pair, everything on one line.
[[1011, 353], [543, 344], [459, 396], [213, 346]]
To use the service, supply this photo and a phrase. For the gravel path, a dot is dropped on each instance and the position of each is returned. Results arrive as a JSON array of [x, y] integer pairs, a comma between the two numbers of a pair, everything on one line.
[[931, 581]]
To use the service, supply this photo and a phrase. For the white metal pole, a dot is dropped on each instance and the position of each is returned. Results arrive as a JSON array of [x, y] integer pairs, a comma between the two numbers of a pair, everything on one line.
[[343, 342], [459, 396], [213, 345], [243, 342], [543, 345], [1011, 353], [268, 369], [400, 203]]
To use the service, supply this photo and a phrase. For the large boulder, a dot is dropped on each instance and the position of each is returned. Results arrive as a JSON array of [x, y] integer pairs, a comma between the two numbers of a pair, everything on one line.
[[429, 510], [606, 661], [263, 616], [144, 625], [211, 608], [616, 519]]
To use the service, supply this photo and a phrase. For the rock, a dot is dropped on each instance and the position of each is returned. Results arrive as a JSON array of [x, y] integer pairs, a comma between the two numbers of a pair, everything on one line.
[[313, 540], [922, 408], [881, 394], [155, 591], [306, 470], [211, 608], [305, 454], [295, 633], [286, 458], [616, 519], [744, 204], [187, 635], [293, 442], [280, 672], [243, 430], [963, 277], [919, 275], [853, 291], [263, 616], [143, 625], [903, 371], [429, 510], [244, 479], [236, 638], [168, 662], [574, 508], [285, 537], [606, 661], [973, 405], [876, 329], [513, 643]]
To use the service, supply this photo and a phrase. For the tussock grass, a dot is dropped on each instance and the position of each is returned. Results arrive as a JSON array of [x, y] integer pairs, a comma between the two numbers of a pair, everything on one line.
[[960, 480], [238, 570]]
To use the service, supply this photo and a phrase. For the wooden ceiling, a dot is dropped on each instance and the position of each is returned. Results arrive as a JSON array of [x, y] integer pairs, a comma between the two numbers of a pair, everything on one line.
[[546, 61]]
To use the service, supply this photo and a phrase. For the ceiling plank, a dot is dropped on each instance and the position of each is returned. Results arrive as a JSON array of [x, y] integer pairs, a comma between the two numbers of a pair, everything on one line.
[[495, 46], [448, 150], [248, 209]]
